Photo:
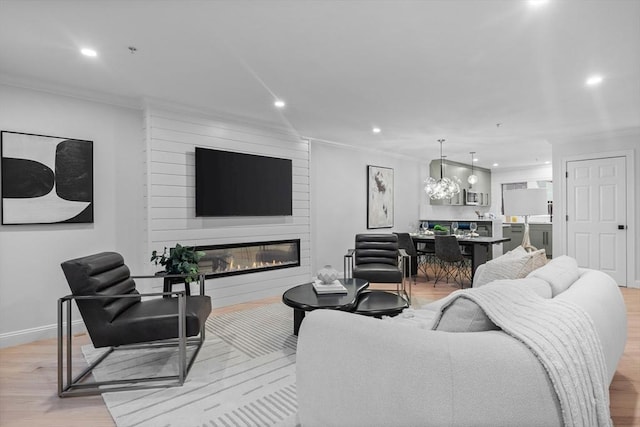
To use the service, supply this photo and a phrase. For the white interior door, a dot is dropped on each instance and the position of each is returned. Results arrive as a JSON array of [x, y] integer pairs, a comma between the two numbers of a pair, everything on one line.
[[596, 215]]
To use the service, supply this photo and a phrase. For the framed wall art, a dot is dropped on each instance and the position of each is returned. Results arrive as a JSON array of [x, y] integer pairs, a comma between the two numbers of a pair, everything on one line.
[[379, 197], [45, 179]]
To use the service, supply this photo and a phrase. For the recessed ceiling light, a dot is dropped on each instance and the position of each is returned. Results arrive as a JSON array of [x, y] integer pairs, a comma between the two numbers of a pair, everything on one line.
[[594, 80], [495, 164], [88, 52], [279, 103], [376, 130], [547, 162], [536, 3], [475, 159]]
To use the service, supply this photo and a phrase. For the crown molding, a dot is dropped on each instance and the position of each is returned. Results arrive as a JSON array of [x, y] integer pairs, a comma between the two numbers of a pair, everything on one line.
[[68, 91], [150, 103], [363, 149]]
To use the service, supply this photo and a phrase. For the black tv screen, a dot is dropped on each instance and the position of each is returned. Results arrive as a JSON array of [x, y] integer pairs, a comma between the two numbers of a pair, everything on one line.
[[236, 184]]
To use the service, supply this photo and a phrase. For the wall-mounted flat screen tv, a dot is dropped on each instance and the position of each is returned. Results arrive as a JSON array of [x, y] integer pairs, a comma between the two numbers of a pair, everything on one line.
[[236, 184]]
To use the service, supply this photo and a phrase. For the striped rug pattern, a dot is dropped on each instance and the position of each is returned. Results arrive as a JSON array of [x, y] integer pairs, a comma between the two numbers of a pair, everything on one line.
[[244, 376]]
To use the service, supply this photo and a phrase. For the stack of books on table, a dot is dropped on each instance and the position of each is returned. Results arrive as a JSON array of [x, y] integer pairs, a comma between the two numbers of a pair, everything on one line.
[[331, 288]]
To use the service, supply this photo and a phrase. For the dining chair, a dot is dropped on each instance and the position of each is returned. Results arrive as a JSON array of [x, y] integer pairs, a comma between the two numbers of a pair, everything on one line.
[[450, 262], [411, 266]]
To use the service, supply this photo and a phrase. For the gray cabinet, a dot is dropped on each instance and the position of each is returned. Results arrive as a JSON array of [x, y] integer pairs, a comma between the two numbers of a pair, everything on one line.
[[483, 186], [541, 237], [449, 170], [515, 232], [462, 171]]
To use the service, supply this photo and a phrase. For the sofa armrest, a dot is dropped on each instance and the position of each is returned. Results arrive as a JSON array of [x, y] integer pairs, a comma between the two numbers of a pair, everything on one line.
[[600, 297], [477, 274], [360, 371]]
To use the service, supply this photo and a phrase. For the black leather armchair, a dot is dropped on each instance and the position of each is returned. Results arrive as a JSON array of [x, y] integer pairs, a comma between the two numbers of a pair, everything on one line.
[[378, 258], [116, 316]]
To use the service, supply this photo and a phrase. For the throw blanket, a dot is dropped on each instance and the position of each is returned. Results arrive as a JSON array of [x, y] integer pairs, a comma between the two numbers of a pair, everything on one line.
[[563, 338]]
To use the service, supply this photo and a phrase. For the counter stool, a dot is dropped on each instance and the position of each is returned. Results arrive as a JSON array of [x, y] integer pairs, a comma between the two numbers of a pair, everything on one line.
[[380, 303]]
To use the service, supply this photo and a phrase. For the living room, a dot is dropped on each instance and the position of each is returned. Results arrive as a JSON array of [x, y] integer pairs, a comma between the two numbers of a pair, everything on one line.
[[143, 146]]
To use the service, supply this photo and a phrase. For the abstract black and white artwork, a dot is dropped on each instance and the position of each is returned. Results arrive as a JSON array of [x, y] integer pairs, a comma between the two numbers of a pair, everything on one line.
[[379, 197], [45, 179]]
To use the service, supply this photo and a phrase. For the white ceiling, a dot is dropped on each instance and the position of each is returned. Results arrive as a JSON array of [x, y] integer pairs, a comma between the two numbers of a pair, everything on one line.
[[420, 70]]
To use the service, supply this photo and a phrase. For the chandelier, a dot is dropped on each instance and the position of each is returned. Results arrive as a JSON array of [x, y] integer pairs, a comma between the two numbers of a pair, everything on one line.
[[443, 188]]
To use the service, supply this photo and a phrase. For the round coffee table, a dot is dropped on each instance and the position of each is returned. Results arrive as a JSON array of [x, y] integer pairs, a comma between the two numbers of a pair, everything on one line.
[[303, 298], [380, 303]]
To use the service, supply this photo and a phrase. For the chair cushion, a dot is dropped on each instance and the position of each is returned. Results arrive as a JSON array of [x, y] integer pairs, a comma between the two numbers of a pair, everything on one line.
[[376, 272], [153, 320], [376, 248]]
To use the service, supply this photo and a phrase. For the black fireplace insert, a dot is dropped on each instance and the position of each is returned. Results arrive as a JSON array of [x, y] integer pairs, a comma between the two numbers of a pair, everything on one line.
[[252, 257]]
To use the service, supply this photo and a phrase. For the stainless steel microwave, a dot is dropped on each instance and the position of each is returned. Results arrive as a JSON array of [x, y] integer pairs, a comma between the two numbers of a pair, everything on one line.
[[471, 197]]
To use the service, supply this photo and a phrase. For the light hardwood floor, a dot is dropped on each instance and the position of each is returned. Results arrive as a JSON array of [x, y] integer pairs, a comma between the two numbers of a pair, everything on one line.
[[28, 378]]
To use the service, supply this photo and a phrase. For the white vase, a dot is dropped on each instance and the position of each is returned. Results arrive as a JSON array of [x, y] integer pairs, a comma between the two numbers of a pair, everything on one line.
[[327, 274]]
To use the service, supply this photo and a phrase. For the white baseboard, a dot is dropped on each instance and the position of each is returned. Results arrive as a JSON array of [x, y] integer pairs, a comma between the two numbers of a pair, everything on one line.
[[25, 336]]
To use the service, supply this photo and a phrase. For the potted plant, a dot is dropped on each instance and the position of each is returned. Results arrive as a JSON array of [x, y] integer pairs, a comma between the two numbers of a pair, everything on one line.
[[179, 260]]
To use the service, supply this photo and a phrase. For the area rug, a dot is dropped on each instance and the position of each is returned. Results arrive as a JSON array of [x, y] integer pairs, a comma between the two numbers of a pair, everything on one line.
[[244, 375]]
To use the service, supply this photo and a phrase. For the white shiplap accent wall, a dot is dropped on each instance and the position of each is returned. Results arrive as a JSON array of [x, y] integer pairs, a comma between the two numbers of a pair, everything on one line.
[[171, 139]]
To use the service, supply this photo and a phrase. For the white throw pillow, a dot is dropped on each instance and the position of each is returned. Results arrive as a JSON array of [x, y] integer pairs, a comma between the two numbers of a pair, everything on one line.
[[537, 285], [517, 252], [464, 315], [515, 264], [560, 273]]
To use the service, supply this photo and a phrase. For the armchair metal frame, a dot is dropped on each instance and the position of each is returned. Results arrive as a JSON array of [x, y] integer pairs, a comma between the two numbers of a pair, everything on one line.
[[76, 386], [401, 288]]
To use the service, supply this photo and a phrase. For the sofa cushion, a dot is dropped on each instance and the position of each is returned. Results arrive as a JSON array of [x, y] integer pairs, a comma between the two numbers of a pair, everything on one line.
[[464, 315], [515, 264], [560, 273]]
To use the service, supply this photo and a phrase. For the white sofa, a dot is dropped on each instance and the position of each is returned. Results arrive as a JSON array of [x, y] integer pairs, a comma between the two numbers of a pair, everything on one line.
[[359, 371]]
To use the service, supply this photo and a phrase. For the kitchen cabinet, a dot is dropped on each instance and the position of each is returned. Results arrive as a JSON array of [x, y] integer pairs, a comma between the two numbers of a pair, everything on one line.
[[482, 187], [515, 232], [450, 170], [462, 171], [540, 236]]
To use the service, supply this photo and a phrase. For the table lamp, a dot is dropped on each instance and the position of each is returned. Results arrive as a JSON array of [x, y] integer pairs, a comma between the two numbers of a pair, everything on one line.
[[532, 201]]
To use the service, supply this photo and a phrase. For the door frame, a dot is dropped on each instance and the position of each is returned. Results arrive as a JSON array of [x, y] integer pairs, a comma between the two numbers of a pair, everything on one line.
[[560, 238]]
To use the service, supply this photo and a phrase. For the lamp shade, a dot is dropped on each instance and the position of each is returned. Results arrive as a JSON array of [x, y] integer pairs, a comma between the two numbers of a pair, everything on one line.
[[532, 201]]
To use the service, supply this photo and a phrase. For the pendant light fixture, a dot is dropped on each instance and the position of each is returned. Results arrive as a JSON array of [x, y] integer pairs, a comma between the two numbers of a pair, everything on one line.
[[473, 179], [443, 188]]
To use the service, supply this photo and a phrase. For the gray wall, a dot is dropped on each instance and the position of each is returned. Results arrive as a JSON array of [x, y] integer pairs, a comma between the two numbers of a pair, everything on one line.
[[31, 280], [129, 218], [339, 202]]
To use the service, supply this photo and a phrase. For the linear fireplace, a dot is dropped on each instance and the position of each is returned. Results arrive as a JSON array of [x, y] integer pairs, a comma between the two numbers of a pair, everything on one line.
[[244, 258]]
